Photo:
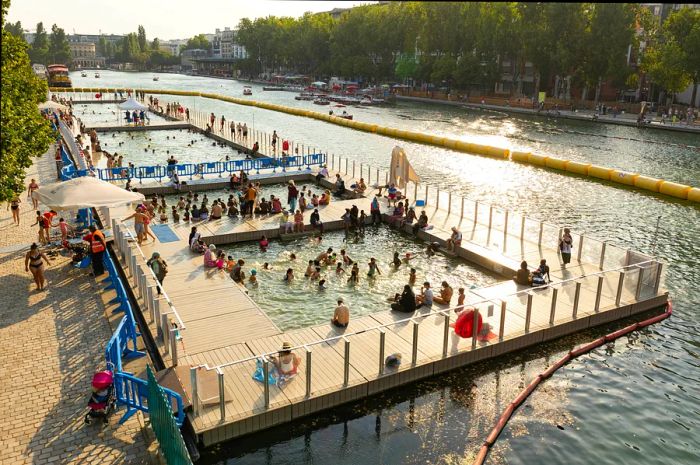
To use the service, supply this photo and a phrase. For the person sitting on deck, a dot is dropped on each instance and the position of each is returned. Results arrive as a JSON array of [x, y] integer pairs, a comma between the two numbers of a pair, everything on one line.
[[522, 276], [325, 198], [360, 187], [455, 239], [237, 272], [234, 181], [275, 204], [339, 187], [341, 316], [406, 303], [445, 296], [544, 270], [422, 222], [209, 260], [286, 363], [322, 174]]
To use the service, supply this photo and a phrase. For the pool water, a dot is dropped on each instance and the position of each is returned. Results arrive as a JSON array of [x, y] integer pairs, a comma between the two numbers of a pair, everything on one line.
[[302, 303], [144, 148], [106, 114]]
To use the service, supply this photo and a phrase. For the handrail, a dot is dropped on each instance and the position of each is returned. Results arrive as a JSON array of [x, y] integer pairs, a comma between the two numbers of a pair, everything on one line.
[[150, 270], [443, 312]]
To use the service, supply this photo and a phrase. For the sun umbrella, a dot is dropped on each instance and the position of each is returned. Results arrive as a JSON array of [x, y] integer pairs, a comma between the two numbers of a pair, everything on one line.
[[318, 83], [51, 105], [84, 192], [401, 170]]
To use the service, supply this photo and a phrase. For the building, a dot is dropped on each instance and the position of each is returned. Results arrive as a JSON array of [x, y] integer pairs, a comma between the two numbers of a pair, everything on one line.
[[224, 45], [188, 58], [85, 56], [172, 46]]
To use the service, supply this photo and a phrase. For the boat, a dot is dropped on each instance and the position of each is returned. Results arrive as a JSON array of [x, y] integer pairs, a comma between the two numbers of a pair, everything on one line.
[[39, 70], [369, 100], [274, 88], [345, 116], [83, 74], [322, 101], [247, 90], [155, 78], [97, 75], [305, 96], [58, 76]]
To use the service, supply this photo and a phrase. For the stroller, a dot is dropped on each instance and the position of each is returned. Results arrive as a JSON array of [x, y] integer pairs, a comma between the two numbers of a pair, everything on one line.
[[103, 400]]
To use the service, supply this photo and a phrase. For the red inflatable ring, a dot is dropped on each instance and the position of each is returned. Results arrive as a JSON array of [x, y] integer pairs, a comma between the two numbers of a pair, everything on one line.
[[465, 324]]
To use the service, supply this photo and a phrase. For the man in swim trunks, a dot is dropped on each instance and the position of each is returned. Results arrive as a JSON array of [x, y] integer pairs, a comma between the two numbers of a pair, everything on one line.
[[140, 219], [341, 316]]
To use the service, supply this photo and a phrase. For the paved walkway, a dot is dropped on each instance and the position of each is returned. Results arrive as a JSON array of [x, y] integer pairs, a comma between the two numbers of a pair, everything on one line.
[[51, 343]]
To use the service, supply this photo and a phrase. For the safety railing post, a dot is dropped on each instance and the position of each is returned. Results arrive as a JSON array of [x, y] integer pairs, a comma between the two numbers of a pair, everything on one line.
[[502, 325], [173, 346], [475, 325], [308, 372], [598, 293], [522, 230], [382, 344], [490, 217], [437, 201], [445, 334], [353, 169], [346, 367], [577, 295], [165, 330], [266, 375], [346, 166], [476, 212], [415, 191], [378, 177], [553, 308], [602, 256], [222, 395], [640, 283], [580, 248], [657, 281], [461, 210], [414, 352], [528, 312], [426, 195], [449, 202], [149, 300], [539, 236], [505, 231], [193, 387], [620, 285], [332, 161]]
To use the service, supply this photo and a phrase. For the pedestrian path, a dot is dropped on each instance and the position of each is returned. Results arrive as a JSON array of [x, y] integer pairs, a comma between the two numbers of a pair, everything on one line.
[[51, 343]]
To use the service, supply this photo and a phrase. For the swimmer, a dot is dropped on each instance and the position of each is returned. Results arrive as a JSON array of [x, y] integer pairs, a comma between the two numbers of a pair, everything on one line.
[[396, 262], [339, 269], [289, 275], [292, 256], [412, 277], [409, 256], [322, 285], [316, 274], [264, 243], [253, 277], [266, 266], [373, 268], [309, 269]]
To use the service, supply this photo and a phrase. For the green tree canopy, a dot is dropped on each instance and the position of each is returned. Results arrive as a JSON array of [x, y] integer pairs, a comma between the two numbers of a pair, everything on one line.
[[59, 49], [25, 133], [39, 51], [15, 29], [197, 42], [143, 42]]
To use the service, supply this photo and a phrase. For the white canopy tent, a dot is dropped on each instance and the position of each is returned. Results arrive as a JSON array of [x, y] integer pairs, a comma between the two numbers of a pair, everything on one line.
[[319, 84], [51, 105], [401, 170], [131, 105], [84, 192]]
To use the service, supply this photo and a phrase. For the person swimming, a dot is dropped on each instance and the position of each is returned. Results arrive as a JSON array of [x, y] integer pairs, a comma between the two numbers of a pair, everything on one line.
[[396, 262], [373, 268]]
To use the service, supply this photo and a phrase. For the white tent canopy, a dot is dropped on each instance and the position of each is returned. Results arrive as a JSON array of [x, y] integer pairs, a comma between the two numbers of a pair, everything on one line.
[[131, 105], [51, 105], [319, 84], [401, 170], [84, 192]]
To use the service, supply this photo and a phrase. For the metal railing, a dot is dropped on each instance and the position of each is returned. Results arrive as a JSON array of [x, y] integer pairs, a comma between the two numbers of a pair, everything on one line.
[[158, 172], [633, 282]]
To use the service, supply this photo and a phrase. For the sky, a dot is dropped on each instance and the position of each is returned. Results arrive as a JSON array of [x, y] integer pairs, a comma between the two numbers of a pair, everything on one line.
[[165, 19]]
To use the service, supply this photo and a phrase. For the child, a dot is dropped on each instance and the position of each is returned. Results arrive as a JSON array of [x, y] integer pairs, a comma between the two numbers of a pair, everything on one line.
[[186, 217], [253, 277], [220, 260], [298, 221], [64, 227], [264, 243], [163, 215], [230, 263], [396, 261], [176, 215], [354, 277], [309, 269], [460, 300], [322, 285], [285, 223], [412, 277], [316, 274], [363, 220], [373, 268], [339, 269]]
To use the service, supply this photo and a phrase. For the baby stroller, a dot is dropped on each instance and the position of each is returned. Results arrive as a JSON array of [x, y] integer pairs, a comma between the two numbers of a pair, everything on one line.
[[103, 400]]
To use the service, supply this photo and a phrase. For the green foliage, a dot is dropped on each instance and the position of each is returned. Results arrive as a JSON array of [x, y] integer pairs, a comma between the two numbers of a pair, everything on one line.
[[143, 43], [15, 29], [39, 51], [25, 133], [197, 42], [406, 66], [59, 50]]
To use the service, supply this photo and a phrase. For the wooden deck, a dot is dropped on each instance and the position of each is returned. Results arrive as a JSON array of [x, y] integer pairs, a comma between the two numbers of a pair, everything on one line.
[[224, 325]]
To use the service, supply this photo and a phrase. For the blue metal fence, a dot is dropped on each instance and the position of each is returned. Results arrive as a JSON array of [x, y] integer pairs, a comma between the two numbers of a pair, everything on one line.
[[191, 170], [132, 392]]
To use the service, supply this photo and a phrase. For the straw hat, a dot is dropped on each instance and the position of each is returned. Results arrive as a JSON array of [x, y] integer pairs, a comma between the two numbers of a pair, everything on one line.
[[286, 345]]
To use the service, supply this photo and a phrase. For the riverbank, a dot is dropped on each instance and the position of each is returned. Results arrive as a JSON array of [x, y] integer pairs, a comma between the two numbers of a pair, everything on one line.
[[52, 342], [625, 119]]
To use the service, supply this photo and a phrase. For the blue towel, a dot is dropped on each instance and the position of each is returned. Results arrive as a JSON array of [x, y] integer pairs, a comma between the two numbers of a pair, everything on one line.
[[164, 233]]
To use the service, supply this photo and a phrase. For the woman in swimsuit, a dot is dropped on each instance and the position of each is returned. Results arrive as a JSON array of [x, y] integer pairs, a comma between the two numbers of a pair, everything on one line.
[[14, 204], [30, 189], [33, 263]]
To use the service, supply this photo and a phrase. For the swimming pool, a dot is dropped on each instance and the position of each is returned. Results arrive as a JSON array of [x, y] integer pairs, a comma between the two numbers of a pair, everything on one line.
[[144, 148], [106, 114], [302, 303]]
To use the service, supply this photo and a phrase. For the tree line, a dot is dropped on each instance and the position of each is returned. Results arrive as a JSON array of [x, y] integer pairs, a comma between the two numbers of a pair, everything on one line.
[[469, 45]]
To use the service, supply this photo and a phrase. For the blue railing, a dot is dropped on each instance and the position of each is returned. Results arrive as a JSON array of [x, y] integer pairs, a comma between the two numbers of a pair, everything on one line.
[[191, 170], [133, 393]]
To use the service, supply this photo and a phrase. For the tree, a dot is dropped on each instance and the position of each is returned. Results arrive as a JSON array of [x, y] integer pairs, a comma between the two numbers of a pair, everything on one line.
[[25, 133], [197, 42], [143, 43], [59, 49], [15, 29], [39, 51], [406, 67], [155, 46], [674, 62]]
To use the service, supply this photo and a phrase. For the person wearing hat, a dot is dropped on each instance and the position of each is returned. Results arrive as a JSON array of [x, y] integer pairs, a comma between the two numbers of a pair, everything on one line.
[[209, 254], [287, 362], [341, 316], [253, 279], [159, 267]]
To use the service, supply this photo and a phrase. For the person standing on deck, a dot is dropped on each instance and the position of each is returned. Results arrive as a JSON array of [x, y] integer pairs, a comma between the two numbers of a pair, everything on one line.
[[222, 124], [565, 245], [30, 190], [292, 195], [274, 141], [212, 119], [96, 239], [232, 128], [375, 211]]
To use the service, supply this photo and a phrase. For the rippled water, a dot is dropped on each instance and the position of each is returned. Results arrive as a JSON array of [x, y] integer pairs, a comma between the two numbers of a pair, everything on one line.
[[634, 401]]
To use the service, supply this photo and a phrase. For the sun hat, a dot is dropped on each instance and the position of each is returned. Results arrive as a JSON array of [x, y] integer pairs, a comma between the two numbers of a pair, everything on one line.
[[286, 345]]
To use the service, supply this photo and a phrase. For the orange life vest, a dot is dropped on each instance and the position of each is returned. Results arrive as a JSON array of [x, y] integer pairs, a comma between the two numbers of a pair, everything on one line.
[[97, 243]]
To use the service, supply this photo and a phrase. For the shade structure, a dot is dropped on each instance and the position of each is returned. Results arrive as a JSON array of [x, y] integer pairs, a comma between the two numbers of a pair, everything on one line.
[[51, 105], [401, 170], [318, 83], [131, 104], [84, 192]]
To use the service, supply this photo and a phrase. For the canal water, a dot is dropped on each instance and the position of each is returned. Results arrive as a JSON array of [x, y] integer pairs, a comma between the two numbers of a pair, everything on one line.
[[634, 401]]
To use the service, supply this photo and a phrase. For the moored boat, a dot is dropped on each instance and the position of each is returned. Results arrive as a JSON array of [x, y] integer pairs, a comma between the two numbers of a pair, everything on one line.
[[322, 101], [156, 78], [97, 75], [58, 76], [247, 90]]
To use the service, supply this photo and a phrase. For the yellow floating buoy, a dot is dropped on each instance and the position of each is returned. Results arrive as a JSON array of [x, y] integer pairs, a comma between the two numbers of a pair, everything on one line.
[[623, 177], [674, 189]]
